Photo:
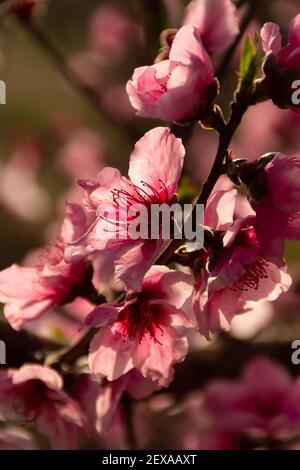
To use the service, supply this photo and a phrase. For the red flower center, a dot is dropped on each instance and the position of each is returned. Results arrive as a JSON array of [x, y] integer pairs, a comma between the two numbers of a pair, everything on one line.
[[140, 319]]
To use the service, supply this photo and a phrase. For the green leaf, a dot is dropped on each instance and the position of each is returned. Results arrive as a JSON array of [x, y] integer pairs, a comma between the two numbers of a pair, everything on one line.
[[248, 64]]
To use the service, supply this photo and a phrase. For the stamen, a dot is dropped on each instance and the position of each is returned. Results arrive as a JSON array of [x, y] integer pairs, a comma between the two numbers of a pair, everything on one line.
[[251, 278], [139, 319]]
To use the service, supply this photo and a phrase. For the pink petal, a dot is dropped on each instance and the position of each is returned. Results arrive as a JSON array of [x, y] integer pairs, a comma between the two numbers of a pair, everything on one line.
[[186, 90], [174, 287], [220, 209], [217, 21], [133, 261], [35, 372], [74, 224], [158, 156], [187, 48], [271, 38], [102, 315], [110, 355], [155, 359]]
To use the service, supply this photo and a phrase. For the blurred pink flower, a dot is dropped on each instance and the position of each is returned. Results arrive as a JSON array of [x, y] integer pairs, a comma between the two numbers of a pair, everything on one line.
[[34, 394], [28, 292], [31, 202], [142, 332], [154, 170], [217, 21], [112, 32], [116, 103], [82, 155], [263, 403], [173, 90], [174, 10]]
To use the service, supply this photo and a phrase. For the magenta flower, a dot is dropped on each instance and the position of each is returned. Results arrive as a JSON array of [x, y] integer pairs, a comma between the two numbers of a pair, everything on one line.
[[216, 20], [277, 208], [174, 89], [287, 56], [28, 292], [284, 66], [143, 332], [34, 394], [154, 170], [236, 271]]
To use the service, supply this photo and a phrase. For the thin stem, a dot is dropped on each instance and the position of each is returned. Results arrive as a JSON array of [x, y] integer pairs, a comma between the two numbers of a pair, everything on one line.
[[128, 407]]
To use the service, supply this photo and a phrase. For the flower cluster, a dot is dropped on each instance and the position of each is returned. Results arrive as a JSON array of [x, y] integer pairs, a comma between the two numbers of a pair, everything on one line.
[[143, 303]]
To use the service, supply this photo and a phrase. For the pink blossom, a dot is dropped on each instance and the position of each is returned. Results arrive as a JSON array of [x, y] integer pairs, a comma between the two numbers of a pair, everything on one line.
[[283, 175], [286, 60], [277, 209], [28, 292], [82, 154], [143, 332], [173, 90], [154, 170], [236, 271], [216, 20], [34, 394], [287, 56]]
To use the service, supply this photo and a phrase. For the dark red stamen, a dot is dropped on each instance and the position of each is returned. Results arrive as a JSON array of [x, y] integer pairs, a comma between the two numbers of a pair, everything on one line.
[[251, 278], [139, 319]]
